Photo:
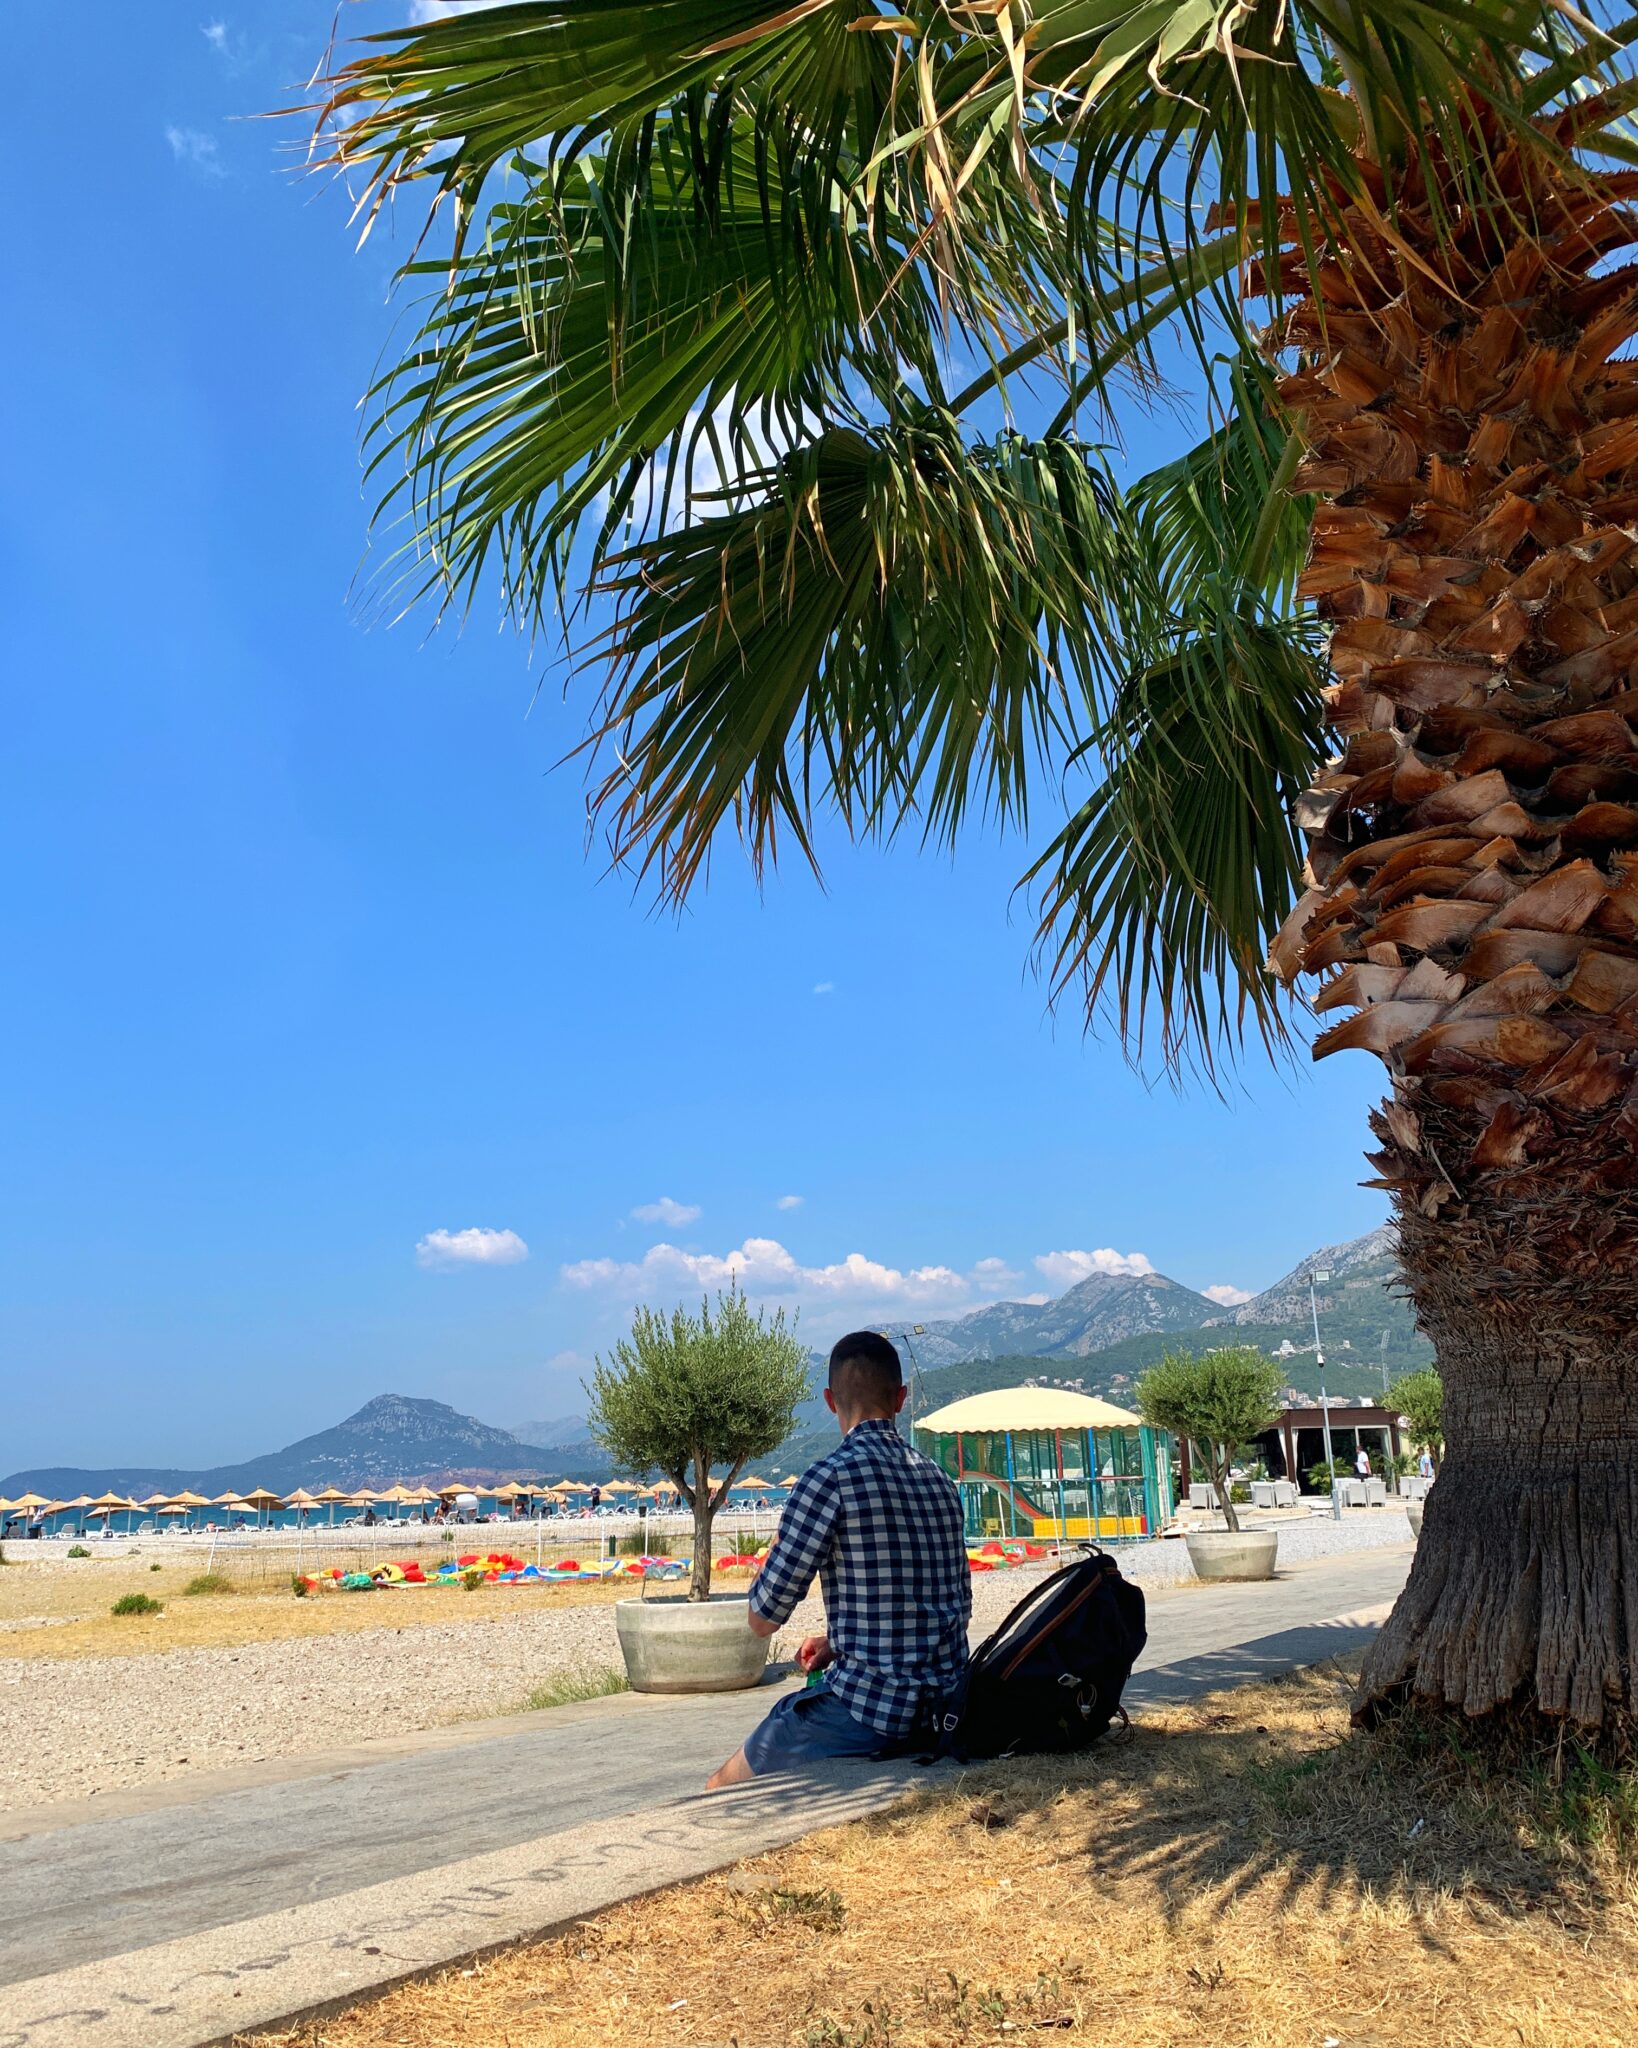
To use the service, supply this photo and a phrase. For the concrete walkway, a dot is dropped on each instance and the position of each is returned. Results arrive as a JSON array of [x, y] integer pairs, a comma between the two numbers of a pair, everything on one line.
[[173, 1915]]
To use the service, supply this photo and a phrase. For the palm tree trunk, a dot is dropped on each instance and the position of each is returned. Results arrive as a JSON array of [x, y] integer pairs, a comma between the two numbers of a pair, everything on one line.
[[1473, 896], [1524, 1591]]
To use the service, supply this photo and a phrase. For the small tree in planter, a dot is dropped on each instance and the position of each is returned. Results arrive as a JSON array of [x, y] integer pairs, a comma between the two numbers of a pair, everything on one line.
[[1420, 1398], [683, 1393], [1217, 1401]]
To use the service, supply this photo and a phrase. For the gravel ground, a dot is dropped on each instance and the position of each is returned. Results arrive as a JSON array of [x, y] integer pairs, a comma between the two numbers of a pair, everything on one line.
[[69, 1731], [1304, 1535]]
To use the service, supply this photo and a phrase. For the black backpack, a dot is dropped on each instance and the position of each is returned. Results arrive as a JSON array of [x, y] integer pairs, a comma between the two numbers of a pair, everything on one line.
[[1050, 1677]]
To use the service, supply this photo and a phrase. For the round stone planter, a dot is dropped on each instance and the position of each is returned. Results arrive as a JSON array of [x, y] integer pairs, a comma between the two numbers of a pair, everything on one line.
[[1413, 1515], [674, 1644], [1219, 1554]]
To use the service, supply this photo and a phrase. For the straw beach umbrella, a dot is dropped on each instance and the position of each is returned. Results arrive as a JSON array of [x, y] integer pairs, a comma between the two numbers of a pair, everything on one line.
[[29, 1502], [263, 1500], [107, 1504], [330, 1498]]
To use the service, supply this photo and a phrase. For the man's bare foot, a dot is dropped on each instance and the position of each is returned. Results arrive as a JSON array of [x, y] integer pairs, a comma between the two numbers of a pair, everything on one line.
[[736, 1771]]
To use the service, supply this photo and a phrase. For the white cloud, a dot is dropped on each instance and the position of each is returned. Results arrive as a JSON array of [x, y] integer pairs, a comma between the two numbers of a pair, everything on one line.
[[191, 146], [672, 1214], [441, 1249], [824, 988], [1070, 1268], [763, 1267], [991, 1275], [1226, 1296], [789, 1202], [215, 33]]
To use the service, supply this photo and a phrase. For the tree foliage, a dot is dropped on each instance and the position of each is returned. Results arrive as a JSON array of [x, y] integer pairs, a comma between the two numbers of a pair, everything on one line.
[[684, 1393], [693, 342], [1420, 1398], [1218, 1400]]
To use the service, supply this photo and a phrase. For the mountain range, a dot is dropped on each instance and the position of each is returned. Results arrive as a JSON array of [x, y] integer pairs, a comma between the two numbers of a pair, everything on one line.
[[1100, 1335], [392, 1437], [1095, 1313], [1365, 1268]]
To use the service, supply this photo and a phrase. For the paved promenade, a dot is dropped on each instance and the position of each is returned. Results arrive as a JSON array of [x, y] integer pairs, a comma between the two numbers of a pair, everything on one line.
[[173, 1915]]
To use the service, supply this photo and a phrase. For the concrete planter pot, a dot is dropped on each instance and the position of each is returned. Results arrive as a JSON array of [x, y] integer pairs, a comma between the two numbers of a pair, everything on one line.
[[1219, 1554], [1413, 1515], [674, 1644]]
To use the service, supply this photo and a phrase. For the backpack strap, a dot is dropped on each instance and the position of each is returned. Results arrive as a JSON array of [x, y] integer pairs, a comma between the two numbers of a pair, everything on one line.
[[1057, 1621]]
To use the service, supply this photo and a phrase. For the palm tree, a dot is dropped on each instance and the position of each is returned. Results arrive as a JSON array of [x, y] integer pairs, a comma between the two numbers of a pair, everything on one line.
[[742, 304]]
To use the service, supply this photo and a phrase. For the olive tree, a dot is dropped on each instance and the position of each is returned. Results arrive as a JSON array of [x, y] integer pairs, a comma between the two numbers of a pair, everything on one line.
[[1420, 1398], [1217, 1400], [683, 1393]]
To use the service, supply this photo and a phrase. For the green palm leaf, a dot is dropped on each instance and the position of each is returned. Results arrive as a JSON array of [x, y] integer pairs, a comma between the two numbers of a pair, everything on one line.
[[898, 625]]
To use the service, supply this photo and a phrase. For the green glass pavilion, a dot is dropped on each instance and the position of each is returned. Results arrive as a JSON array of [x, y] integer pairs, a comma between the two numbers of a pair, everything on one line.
[[1047, 1462]]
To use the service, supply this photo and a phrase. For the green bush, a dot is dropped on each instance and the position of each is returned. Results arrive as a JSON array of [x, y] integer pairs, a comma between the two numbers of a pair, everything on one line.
[[299, 1586], [209, 1582], [636, 1545], [135, 1603], [78, 1550], [156, 1567], [1320, 1475], [1240, 1493], [472, 1578]]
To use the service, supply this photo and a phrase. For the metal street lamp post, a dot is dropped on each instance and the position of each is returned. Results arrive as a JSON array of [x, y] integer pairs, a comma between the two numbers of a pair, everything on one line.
[[1325, 1405], [919, 1329]]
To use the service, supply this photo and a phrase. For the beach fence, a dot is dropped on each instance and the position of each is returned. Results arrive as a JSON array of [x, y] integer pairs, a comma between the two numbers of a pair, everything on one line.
[[272, 1557]]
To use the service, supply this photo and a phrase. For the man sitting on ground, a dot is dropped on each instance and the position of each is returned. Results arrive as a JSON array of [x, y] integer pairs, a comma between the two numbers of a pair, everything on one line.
[[882, 1526]]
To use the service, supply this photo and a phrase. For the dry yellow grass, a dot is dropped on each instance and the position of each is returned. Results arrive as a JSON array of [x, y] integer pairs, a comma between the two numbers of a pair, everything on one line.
[[86, 1589], [1237, 1874]]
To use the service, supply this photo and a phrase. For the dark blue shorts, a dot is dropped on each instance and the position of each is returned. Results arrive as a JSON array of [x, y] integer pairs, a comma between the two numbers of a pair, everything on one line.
[[809, 1725]]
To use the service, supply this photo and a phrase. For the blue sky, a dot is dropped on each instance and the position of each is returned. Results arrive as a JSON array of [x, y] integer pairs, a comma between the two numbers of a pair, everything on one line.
[[310, 976]]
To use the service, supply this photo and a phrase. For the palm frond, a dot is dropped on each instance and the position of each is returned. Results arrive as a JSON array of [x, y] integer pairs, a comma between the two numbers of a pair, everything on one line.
[[1161, 893], [574, 360], [604, 320], [450, 100], [898, 626]]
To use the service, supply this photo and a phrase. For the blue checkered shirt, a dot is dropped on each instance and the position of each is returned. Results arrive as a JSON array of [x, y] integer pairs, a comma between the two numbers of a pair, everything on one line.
[[882, 1527]]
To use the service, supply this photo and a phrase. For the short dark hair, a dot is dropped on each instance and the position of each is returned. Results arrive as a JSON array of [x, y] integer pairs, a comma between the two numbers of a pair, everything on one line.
[[864, 1371]]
